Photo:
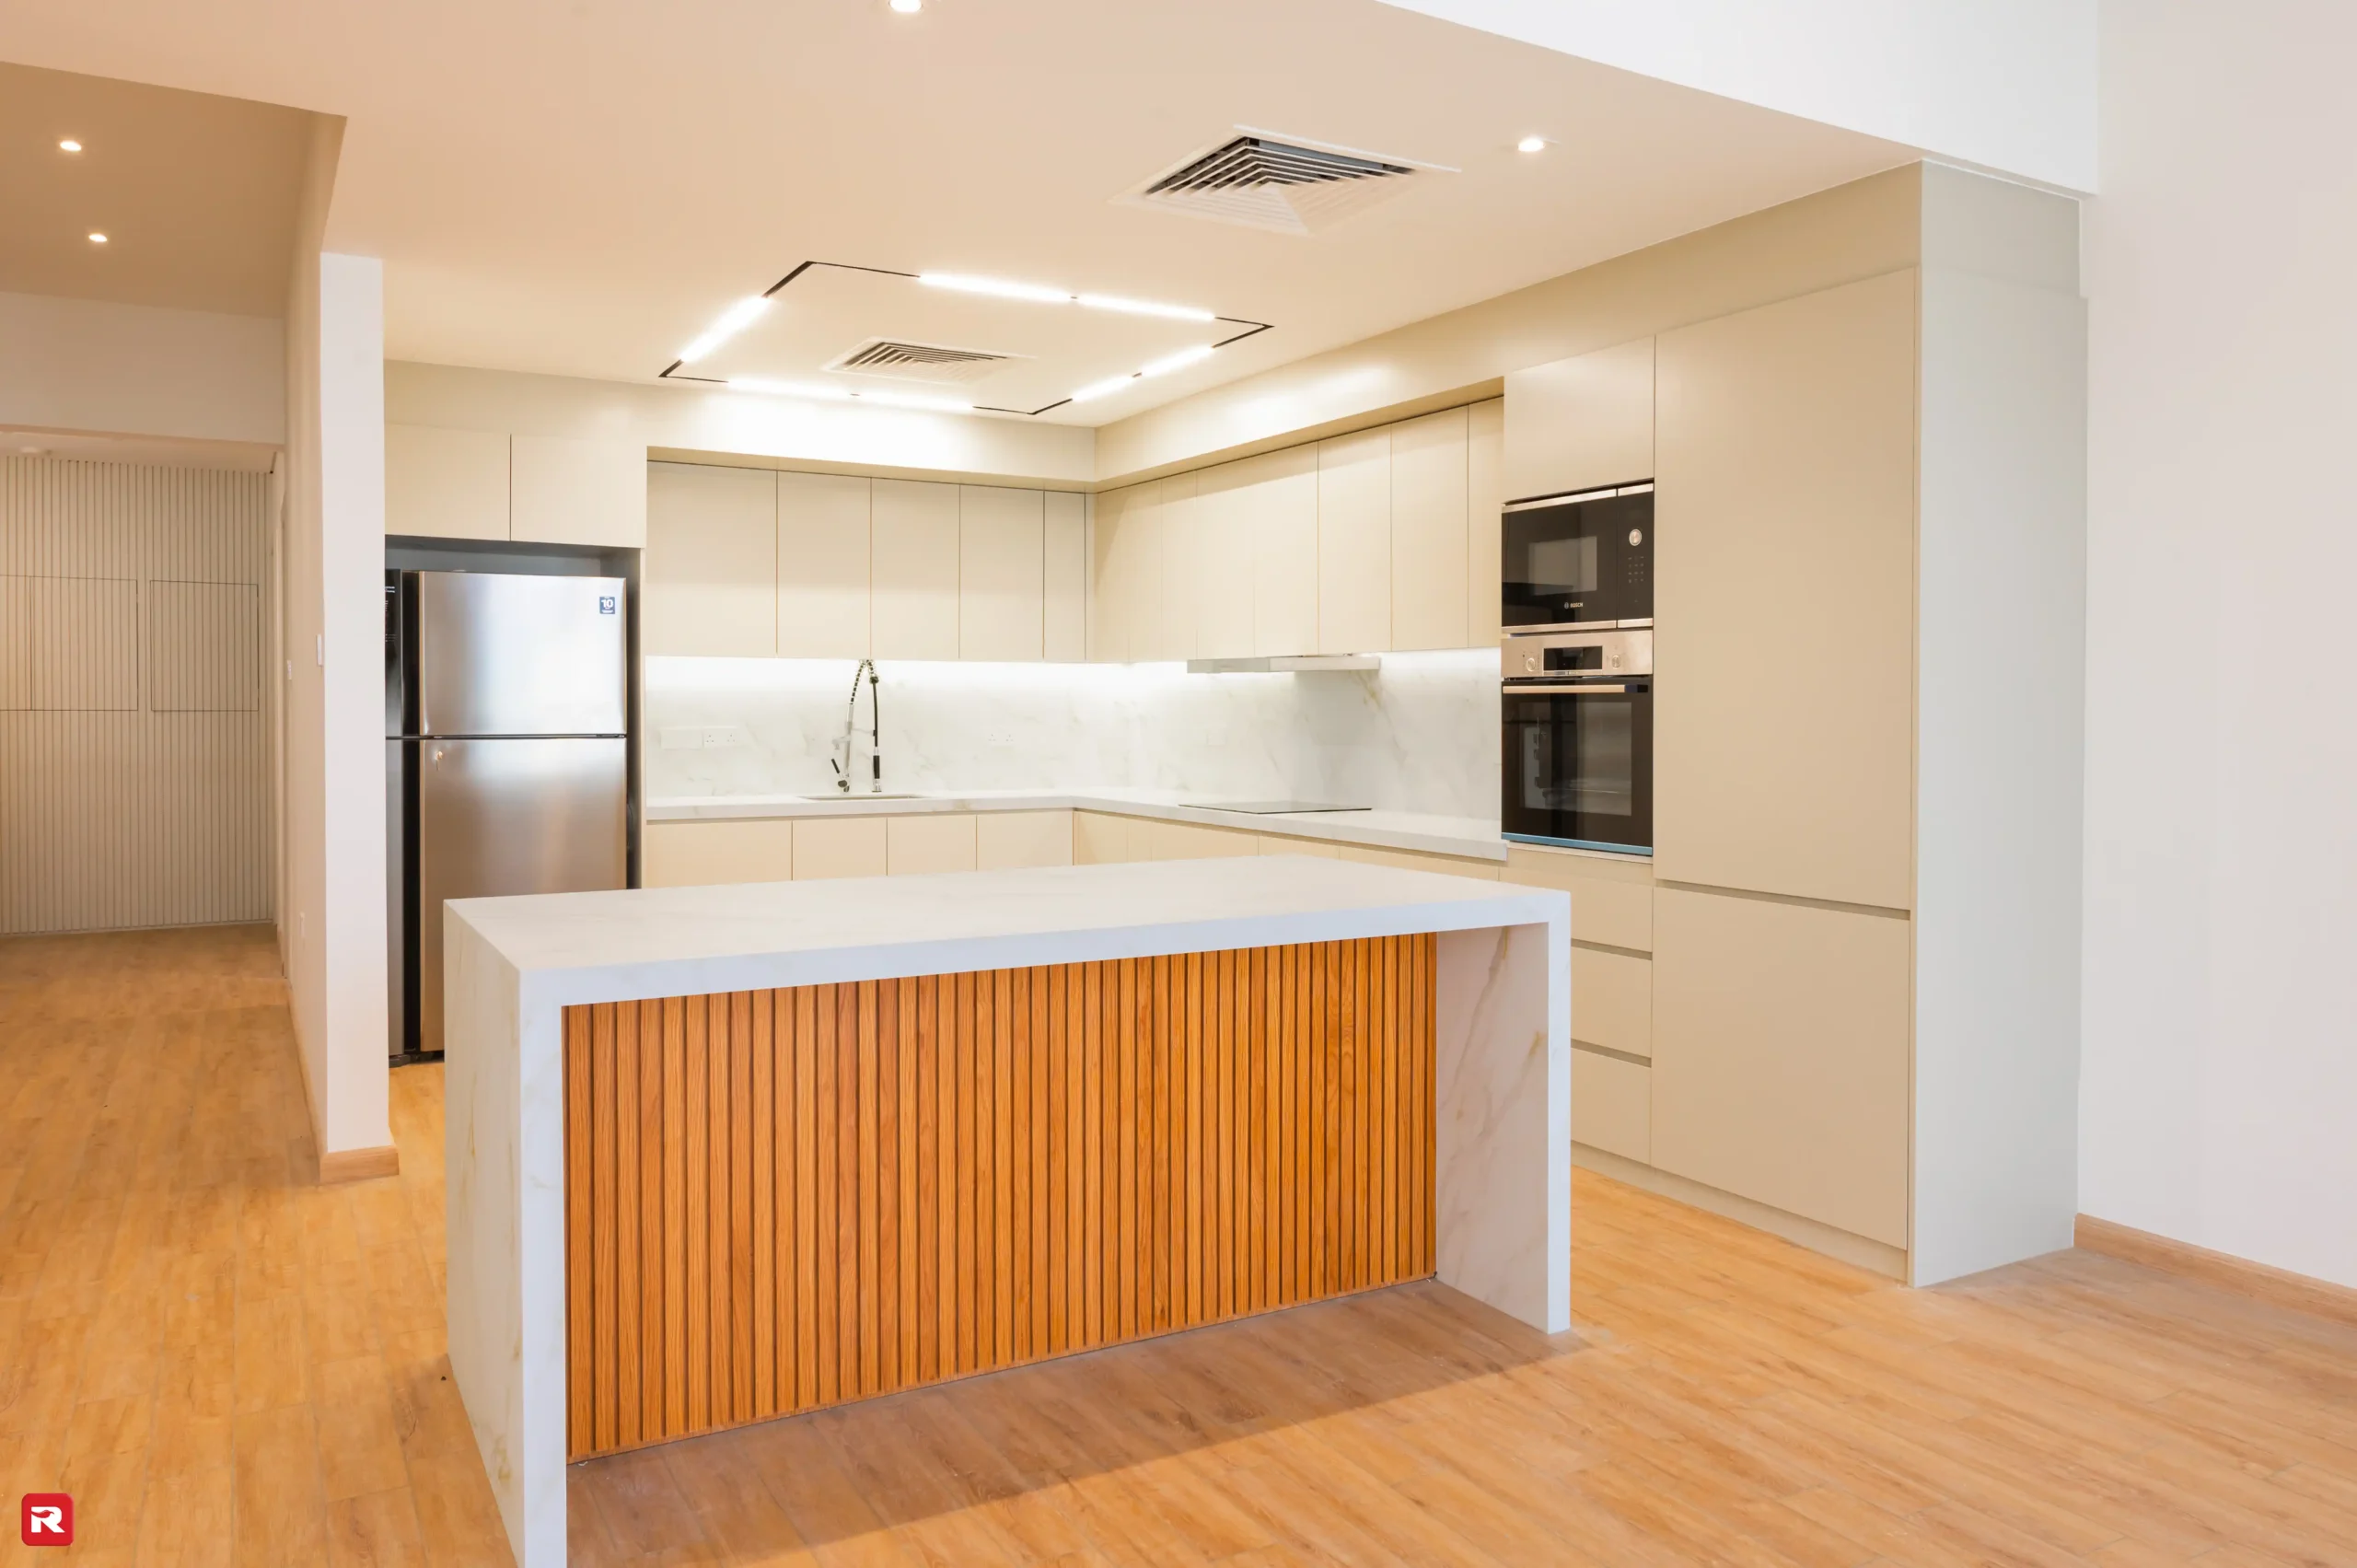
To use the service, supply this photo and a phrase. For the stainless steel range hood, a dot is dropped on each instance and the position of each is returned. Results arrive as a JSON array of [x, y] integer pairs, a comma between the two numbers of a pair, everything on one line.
[[1284, 663]]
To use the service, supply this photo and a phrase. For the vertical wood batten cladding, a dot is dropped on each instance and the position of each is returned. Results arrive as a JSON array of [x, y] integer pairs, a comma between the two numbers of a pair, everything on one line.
[[134, 772], [780, 1200]]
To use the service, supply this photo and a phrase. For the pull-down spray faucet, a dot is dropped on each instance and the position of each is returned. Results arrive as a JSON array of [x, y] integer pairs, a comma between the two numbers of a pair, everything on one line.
[[874, 733]]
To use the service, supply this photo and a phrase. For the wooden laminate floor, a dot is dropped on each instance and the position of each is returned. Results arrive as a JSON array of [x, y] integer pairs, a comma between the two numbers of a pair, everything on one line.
[[225, 1363]]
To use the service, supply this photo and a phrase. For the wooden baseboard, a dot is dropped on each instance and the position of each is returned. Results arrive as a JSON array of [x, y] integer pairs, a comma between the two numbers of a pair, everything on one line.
[[2261, 1282], [359, 1164], [1859, 1251]]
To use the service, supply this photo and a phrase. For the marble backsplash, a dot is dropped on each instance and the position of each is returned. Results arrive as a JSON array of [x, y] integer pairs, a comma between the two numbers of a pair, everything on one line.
[[1421, 733]]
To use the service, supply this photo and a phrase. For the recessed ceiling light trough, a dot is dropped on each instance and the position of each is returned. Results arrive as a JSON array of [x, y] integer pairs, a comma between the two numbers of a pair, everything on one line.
[[769, 388], [1041, 294], [732, 321], [1162, 366]]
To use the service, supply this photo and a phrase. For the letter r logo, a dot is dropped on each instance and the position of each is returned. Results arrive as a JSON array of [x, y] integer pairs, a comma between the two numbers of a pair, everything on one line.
[[46, 1519]]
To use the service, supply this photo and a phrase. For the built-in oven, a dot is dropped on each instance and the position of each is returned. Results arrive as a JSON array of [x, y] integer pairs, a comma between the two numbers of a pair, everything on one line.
[[1584, 560], [1577, 760]]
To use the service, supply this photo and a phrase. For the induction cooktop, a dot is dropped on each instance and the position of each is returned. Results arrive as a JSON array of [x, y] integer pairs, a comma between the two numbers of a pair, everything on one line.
[[1277, 807]]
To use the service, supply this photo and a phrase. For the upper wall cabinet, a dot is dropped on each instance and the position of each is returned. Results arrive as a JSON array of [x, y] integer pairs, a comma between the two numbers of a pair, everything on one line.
[[711, 565], [1002, 574], [1279, 494], [1580, 424], [823, 565], [1354, 543], [1784, 733], [1485, 439], [566, 490], [445, 483], [1429, 553], [912, 562], [1065, 573]]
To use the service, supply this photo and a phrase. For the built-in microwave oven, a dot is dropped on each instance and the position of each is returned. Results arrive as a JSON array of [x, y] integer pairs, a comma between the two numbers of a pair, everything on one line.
[[1583, 560], [1577, 759]]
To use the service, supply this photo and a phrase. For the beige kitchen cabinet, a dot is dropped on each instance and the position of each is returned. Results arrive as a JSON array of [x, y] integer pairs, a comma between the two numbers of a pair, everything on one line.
[[1485, 504], [823, 553], [1354, 543], [1283, 491], [1430, 494], [1581, 423], [1285, 843], [1175, 565], [1612, 897], [1121, 571], [445, 483], [711, 562], [1611, 1102], [1216, 528], [929, 843], [1065, 570], [1163, 840], [912, 566], [1780, 1056], [707, 854], [1002, 574], [1783, 719], [1102, 838], [840, 846], [1004, 840], [1612, 1000], [575, 490], [1416, 860]]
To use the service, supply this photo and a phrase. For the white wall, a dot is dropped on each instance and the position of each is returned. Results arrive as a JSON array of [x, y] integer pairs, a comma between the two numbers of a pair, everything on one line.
[[2009, 85], [332, 921], [2219, 1103], [137, 370]]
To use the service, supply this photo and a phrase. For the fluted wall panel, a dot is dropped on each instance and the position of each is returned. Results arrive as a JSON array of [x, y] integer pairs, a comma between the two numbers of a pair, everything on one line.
[[134, 750]]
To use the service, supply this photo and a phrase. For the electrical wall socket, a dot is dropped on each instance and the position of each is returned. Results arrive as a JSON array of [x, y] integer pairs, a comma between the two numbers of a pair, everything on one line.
[[1000, 738], [722, 736]]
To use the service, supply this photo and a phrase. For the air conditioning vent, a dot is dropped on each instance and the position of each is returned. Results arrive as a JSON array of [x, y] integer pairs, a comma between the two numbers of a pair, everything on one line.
[[919, 362], [1290, 186]]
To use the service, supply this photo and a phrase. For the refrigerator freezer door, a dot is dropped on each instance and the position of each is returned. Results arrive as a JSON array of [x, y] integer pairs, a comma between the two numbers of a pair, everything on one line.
[[498, 816], [501, 655]]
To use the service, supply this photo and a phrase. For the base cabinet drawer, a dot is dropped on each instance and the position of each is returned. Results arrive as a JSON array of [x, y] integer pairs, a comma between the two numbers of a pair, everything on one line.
[[1781, 1050], [705, 855], [1612, 1001], [1612, 1105]]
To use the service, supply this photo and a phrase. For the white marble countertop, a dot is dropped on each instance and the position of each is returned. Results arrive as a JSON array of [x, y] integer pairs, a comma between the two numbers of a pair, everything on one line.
[[1474, 838], [675, 941]]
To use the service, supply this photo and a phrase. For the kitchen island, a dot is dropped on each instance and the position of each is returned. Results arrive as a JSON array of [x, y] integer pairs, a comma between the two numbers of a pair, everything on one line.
[[716, 1155]]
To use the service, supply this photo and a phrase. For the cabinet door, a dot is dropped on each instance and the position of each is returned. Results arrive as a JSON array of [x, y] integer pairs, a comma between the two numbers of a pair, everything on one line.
[[1283, 523], [1002, 574], [1006, 838], [444, 484], [922, 846], [1218, 540], [1428, 521], [1354, 543], [1066, 636], [823, 565], [913, 562], [1192, 841], [1780, 1053], [1485, 505], [1581, 423], [1120, 571], [1612, 1105], [1784, 717], [704, 855], [1102, 837], [1612, 1000], [1166, 599], [828, 847], [566, 490], [711, 564]]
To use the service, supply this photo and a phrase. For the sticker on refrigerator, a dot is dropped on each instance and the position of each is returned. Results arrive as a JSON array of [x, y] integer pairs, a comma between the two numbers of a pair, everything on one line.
[[605, 604]]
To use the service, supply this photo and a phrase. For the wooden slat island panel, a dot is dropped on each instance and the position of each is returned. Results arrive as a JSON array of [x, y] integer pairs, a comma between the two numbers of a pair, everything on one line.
[[786, 1199]]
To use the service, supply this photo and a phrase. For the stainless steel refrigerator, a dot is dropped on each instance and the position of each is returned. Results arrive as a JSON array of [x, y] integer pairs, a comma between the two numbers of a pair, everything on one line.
[[507, 731]]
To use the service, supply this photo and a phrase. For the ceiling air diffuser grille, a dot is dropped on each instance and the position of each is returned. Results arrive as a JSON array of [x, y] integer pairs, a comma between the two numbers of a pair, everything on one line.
[[1266, 183], [919, 362]]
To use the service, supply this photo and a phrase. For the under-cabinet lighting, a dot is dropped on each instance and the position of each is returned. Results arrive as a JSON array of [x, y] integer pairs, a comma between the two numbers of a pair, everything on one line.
[[1178, 361], [999, 288], [1145, 308], [732, 321]]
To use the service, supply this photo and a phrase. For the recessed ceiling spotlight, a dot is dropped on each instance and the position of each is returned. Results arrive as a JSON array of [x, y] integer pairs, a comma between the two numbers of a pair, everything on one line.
[[1531, 145], [908, 7], [69, 145], [732, 321], [97, 238], [31, 451]]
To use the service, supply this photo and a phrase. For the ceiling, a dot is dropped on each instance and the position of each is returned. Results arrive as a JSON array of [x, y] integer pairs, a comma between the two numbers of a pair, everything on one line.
[[581, 187], [195, 192]]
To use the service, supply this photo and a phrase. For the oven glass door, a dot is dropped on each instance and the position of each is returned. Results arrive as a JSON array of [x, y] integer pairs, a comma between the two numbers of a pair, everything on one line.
[[1576, 561], [1577, 765]]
